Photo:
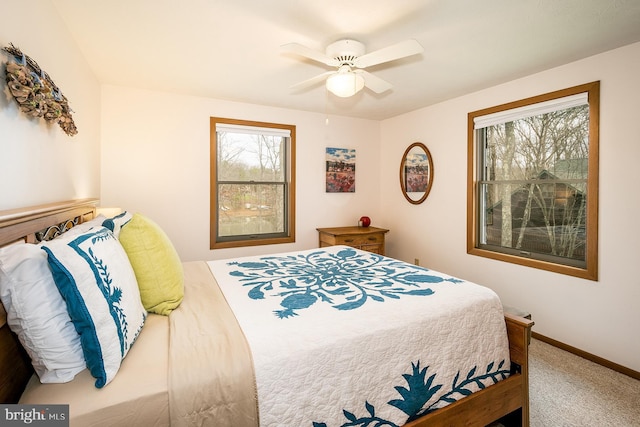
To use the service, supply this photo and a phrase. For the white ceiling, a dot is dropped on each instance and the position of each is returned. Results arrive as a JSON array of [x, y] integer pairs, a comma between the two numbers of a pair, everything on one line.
[[230, 49]]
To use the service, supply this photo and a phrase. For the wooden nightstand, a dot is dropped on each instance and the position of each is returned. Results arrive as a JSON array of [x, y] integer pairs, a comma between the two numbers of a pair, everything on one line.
[[366, 238]]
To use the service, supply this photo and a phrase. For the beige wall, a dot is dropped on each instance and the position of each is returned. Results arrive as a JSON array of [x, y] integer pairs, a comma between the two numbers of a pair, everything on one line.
[[39, 163], [155, 160], [598, 317]]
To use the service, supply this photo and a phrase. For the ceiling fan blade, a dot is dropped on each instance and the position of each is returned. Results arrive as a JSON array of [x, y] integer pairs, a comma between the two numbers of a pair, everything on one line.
[[298, 49], [374, 83], [311, 82], [390, 53]]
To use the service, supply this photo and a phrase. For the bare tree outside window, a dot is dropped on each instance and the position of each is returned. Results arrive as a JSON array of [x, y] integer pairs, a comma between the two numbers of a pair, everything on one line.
[[533, 181]]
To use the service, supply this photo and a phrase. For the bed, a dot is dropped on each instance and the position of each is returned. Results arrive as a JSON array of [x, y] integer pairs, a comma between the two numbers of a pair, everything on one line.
[[238, 371]]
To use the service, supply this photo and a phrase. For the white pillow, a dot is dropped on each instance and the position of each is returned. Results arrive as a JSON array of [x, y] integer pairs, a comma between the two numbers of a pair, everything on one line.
[[37, 314], [96, 280]]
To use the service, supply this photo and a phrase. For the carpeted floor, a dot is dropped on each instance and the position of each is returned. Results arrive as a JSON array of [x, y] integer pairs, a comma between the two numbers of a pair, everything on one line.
[[569, 391]]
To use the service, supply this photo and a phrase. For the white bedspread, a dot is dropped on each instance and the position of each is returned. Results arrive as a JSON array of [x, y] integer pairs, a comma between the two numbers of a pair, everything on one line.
[[340, 335]]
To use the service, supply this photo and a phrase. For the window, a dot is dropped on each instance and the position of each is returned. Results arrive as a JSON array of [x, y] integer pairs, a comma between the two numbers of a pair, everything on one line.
[[532, 194], [252, 183]]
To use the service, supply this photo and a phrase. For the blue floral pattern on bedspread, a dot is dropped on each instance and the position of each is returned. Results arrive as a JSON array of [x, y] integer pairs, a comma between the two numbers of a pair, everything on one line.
[[345, 279], [419, 391]]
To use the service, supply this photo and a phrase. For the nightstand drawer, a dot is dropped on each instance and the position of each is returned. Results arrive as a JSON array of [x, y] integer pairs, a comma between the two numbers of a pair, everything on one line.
[[352, 240], [366, 238], [376, 249]]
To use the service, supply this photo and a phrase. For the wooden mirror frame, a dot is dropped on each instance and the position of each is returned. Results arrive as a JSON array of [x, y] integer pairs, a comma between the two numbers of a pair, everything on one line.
[[403, 181]]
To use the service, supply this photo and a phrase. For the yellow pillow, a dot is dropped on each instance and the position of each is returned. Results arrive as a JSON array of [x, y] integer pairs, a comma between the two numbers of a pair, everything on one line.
[[156, 264]]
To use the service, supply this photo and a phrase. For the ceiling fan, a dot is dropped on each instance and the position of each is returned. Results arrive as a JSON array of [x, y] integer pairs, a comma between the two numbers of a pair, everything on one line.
[[349, 58]]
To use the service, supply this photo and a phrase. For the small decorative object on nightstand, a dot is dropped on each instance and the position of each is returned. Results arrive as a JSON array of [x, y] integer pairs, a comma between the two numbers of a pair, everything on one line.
[[366, 238]]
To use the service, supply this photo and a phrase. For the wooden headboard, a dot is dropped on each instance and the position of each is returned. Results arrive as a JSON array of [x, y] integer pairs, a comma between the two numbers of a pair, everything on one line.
[[29, 224]]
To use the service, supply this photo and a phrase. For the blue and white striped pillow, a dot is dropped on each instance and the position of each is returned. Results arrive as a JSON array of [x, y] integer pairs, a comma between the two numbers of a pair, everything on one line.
[[94, 276]]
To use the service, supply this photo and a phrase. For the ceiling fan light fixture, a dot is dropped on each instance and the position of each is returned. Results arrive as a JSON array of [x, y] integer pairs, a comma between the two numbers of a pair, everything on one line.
[[345, 84], [349, 55]]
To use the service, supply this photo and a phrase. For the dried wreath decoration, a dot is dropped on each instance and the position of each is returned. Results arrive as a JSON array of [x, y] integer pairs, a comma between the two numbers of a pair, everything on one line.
[[36, 94]]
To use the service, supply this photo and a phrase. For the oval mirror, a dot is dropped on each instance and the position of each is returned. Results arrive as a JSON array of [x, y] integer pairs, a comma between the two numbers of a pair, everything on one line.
[[416, 173]]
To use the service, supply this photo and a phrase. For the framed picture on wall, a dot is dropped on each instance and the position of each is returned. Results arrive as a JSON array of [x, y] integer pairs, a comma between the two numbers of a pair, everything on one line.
[[416, 172], [340, 170]]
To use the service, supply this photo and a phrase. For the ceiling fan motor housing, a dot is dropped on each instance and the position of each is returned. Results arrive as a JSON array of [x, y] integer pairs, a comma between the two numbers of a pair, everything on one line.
[[345, 51]]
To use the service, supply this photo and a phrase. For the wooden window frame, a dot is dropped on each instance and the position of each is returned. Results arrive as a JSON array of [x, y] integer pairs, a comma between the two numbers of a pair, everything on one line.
[[290, 177], [590, 271]]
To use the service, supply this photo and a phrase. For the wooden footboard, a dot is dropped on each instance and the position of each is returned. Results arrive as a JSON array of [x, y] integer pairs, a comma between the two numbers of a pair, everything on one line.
[[507, 399]]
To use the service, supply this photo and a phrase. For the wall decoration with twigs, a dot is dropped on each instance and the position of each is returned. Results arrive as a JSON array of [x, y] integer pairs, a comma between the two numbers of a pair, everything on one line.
[[34, 91]]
